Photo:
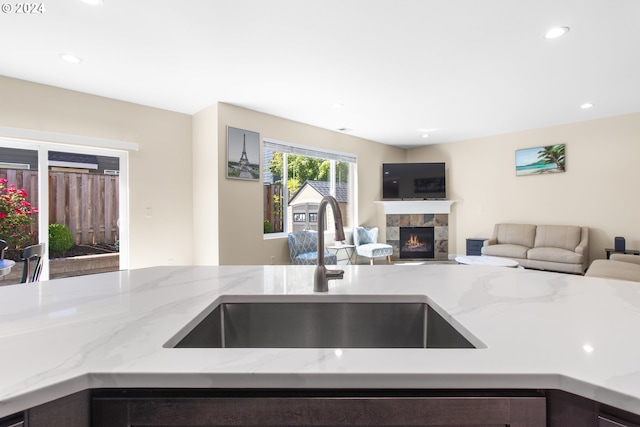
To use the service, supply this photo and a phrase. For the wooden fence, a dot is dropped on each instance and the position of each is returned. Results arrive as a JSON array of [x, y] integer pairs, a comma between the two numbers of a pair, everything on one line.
[[272, 210], [86, 203]]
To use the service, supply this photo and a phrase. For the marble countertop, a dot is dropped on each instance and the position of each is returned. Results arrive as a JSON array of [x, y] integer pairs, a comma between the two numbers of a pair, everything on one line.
[[540, 329]]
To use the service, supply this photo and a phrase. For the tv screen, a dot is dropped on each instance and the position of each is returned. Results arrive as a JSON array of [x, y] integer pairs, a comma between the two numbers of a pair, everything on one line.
[[413, 181]]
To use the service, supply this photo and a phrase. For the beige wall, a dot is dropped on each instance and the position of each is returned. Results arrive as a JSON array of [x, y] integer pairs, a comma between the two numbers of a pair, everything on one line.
[[240, 215], [599, 188], [205, 187], [159, 173], [199, 216]]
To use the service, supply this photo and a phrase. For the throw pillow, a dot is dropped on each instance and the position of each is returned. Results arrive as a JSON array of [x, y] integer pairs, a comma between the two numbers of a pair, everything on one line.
[[367, 235]]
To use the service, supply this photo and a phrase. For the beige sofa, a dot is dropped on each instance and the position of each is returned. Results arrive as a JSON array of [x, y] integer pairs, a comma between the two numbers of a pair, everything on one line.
[[562, 248], [620, 266]]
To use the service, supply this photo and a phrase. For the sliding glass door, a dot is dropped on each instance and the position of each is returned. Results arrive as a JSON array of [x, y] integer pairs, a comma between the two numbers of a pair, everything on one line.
[[78, 205], [19, 205]]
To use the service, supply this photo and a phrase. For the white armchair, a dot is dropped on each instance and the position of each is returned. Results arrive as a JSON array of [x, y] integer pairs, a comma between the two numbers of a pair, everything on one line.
[[620, 266], [366, 241]]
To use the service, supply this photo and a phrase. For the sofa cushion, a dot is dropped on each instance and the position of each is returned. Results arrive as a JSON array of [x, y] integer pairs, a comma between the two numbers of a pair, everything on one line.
[[311, 258], [558, 236], [635, 259], [374, 250], [506, 250], [516, 234], [555, 255]]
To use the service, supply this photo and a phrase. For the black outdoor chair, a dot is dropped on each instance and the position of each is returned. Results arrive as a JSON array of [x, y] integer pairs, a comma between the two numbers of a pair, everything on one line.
[[3, 248], [32, 257]]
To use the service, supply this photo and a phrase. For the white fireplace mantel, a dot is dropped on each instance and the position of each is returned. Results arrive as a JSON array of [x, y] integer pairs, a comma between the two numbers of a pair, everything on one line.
[[392, 207]]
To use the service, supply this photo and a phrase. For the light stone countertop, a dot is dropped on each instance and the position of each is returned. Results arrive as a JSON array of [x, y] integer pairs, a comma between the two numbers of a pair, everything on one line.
[[540, 330]]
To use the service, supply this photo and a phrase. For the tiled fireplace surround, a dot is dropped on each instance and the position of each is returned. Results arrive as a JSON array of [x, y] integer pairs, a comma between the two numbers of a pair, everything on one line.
[[439, 222], [419, 214]]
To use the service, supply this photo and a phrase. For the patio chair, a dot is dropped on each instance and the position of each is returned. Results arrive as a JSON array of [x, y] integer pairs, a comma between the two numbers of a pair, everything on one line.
[[3, 248], [303, 249], [32, 258]]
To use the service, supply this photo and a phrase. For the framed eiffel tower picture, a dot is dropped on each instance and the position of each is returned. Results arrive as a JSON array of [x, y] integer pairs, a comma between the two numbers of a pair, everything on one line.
[[243, 154]]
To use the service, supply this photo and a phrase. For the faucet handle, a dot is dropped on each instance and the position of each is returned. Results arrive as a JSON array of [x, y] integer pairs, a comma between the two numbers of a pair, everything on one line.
[[335, 274]]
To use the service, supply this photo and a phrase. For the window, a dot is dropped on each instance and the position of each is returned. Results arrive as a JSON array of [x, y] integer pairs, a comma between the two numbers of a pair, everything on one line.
[[295, 180]]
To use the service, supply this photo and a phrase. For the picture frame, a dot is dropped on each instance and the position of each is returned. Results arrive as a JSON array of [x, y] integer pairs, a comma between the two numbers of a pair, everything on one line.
[[243, 154], [542, 160]]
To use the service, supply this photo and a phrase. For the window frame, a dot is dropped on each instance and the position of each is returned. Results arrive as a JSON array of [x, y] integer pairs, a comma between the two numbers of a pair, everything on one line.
[[333, 156], [42, 149]]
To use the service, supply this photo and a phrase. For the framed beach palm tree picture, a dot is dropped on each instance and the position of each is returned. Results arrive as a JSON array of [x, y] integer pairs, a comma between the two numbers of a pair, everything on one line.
[[540, 160]]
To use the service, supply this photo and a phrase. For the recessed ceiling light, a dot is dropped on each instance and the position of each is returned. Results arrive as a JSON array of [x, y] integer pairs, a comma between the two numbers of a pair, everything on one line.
[[425, 135], [345, 130], [93, 2], [338, 105], [556, 32], [427, 130], [586, 105], [71, 58]]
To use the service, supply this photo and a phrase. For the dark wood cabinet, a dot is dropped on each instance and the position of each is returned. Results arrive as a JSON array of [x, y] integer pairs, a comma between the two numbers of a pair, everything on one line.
[[15, 420], [70, 411], [203, 408], [566, 409], [299, 408], [605, 420]]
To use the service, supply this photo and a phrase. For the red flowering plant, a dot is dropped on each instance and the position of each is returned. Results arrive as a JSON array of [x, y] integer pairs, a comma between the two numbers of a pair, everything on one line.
[[16, 215]]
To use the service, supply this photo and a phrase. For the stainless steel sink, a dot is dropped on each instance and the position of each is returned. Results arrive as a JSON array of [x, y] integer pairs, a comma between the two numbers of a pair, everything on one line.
[[321, 323]]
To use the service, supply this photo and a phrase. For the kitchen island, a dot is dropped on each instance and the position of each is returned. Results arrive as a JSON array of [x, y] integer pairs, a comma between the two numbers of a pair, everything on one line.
[[536, 331]]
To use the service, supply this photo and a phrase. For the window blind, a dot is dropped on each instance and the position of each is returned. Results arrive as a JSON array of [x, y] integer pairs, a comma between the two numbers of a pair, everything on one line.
[[288, 148]]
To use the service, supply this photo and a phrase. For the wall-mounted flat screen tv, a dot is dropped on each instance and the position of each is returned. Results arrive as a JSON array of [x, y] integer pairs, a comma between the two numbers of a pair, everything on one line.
[[413, 181]]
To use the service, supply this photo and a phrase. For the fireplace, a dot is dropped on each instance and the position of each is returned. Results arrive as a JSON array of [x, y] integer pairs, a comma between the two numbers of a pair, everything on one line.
[[416, 242], [419, 213]]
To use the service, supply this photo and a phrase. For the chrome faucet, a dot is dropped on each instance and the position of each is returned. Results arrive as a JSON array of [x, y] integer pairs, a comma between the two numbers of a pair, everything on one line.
[[322, 275]]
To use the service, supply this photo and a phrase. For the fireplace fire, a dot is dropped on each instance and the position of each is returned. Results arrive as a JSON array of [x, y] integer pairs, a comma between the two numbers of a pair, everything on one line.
[[416, 242], [413, 244]]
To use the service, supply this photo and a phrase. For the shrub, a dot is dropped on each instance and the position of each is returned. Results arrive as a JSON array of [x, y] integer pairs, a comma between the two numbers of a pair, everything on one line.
[[15, 216], [60, 238], [268, 228]]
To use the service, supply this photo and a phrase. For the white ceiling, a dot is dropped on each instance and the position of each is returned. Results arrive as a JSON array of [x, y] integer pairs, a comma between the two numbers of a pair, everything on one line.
[[463, 68]]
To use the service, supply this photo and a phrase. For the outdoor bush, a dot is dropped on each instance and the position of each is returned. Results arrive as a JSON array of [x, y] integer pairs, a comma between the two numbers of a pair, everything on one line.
[[16, 215], [268, 228], [60, 238]]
